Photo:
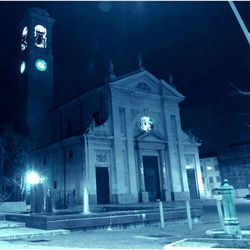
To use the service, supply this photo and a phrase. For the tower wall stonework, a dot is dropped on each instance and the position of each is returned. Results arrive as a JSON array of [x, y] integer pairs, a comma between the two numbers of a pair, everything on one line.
[[38, 83]]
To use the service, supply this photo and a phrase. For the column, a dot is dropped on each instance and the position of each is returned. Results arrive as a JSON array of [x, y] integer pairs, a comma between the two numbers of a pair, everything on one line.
[[143, 193], [167, 194]]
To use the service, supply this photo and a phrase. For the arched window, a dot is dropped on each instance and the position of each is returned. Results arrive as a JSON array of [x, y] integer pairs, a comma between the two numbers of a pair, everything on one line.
[[40, 34], [24, 42]]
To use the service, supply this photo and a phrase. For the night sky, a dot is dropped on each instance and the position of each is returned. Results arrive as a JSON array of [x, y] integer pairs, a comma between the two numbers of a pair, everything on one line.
[[200, 43]]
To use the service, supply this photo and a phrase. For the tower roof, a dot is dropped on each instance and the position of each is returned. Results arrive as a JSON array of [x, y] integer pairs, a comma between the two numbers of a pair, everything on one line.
[[38, 11]]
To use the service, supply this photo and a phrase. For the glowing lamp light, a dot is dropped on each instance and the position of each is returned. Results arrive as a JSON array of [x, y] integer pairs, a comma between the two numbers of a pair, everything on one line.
[[41, 65], [33, 178]]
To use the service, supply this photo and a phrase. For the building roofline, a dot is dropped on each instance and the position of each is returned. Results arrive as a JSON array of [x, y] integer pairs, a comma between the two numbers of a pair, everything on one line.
[[208, 155]]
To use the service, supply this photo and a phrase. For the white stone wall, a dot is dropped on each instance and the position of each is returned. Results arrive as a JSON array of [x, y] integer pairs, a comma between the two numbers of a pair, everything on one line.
[[119, 144]]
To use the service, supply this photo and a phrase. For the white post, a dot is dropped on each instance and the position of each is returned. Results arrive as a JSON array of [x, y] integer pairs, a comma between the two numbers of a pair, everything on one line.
[[85, 164], [85, 201], [189, 218], [218, 204], [162, 225], [242, 25]]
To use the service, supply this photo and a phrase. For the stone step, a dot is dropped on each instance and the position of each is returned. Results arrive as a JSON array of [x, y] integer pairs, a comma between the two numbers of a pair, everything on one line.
[[4, 224], [101, 220], [25, 233]]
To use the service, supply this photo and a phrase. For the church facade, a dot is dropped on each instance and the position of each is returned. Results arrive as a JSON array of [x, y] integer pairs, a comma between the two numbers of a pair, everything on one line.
[[119, 143]]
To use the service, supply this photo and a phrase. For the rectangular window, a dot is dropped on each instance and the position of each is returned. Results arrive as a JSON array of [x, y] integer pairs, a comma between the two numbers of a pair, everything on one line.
[[218, 178], [174, 127], [122, 121], [211, 180], [216, 167], [209, 168], [126, 170]]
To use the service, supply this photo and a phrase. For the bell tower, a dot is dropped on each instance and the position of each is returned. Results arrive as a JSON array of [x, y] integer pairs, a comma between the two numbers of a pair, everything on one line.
[[36, 73]]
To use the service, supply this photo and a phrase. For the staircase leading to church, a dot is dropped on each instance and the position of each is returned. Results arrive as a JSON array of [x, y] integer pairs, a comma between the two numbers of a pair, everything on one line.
[[107, 216], [11, 230]]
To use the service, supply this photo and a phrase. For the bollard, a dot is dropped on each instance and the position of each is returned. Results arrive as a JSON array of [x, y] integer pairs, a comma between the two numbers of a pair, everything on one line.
[[189, 218], [219, 210], [48, 204], [162, 224], [85, 201], [231, 222]]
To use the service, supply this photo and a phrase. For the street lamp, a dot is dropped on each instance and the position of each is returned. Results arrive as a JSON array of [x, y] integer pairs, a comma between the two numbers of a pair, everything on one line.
[[33, 178], [34, 184]]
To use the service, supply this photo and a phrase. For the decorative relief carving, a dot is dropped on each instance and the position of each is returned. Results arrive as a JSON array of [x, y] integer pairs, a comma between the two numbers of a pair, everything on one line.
[[101, 157], [144, 87], [189, 159]]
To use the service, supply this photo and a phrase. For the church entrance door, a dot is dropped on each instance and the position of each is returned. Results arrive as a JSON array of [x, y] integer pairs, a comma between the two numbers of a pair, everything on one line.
[[102, 185], [192, 184], [151, 176]]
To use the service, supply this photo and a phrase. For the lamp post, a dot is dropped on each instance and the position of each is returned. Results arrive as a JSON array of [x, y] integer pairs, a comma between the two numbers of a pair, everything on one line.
[[34, 180], [242, 25]]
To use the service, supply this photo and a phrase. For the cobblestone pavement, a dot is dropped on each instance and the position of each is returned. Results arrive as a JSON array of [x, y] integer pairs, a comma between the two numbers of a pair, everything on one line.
[[150, 237]]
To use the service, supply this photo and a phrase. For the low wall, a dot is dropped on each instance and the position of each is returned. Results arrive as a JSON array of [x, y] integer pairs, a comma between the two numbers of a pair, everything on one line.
[[241, 193], [103, 219], [11, 207]]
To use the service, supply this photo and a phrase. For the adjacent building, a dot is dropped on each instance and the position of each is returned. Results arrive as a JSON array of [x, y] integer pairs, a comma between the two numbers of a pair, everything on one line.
[[210, 173], [235, 166], [119, 143]]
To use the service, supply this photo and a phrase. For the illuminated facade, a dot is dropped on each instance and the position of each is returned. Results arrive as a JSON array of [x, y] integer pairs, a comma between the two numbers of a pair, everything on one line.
[[122, 142], [210, 173]]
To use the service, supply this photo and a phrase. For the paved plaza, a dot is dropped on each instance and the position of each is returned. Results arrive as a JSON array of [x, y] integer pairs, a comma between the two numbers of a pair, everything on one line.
[[150, 237]]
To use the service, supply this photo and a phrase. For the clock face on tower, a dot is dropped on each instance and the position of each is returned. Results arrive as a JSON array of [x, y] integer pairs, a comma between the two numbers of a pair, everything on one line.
[[146, 123], [41, 65]]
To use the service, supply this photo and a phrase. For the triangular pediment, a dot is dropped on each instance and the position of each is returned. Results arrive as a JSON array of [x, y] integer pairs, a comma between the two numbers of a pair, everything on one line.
[[145, 83], [150, 136], [168, 90]]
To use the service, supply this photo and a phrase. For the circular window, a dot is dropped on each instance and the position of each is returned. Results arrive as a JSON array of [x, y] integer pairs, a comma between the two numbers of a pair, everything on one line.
[[146, 123]]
